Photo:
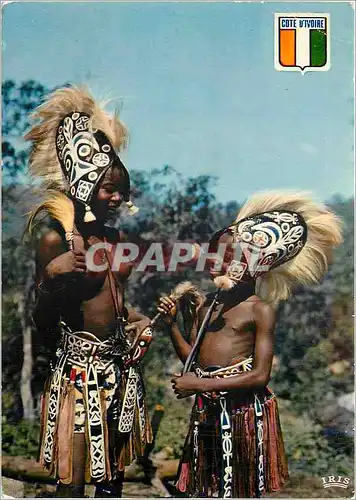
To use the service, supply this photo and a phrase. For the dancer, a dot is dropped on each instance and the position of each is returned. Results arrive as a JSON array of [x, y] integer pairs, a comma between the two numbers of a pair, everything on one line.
[[94, 417], [234, 446]]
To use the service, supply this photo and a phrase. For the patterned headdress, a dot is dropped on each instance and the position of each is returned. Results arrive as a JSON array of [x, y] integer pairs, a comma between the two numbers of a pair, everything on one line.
[[74, 144], [282, 239]]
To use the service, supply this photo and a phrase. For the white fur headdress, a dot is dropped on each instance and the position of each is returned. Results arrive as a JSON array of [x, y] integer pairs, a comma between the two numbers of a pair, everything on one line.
[[311, 263], [74, 142], [44, 162]]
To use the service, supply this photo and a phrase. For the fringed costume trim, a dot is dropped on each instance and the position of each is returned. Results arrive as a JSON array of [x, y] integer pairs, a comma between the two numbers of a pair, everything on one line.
[[91, 391], [234, 447]]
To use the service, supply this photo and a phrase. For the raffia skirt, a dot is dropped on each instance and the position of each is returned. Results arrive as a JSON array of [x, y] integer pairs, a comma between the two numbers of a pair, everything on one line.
[[234, 447], [91, 392]]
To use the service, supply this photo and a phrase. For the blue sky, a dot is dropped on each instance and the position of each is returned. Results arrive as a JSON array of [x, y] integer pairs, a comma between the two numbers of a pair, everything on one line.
[[199, 88]]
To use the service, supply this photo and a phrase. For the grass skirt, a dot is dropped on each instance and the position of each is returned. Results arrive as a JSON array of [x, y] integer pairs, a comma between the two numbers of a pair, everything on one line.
[[225, 456]]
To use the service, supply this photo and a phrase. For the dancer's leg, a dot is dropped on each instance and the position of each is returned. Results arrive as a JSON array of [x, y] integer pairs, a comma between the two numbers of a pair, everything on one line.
[[76, 488]]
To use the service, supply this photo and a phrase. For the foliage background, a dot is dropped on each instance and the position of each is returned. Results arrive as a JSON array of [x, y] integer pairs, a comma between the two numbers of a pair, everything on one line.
[[313, 364]]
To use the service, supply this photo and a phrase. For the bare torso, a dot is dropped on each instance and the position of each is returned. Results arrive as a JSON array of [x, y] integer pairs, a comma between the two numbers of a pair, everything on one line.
[[97, 305], [230, 335], [88, 303]]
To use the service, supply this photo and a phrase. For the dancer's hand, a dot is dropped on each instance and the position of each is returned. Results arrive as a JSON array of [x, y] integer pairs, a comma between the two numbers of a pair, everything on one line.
[[186, 385], [134, 329], [168, 308], [68, 262]]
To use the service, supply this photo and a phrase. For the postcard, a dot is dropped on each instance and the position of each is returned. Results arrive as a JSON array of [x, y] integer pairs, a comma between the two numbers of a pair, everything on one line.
[[177, 207]]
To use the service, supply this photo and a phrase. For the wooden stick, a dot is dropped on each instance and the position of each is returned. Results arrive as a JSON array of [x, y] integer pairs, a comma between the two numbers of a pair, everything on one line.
[[193, 353]]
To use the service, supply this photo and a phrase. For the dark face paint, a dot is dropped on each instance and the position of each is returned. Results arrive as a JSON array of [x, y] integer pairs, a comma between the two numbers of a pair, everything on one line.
[[110, 195]]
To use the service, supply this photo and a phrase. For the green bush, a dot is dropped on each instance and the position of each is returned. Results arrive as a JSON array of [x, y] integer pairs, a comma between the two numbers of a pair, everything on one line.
[[174, 427], [20, 439], [307, 449]]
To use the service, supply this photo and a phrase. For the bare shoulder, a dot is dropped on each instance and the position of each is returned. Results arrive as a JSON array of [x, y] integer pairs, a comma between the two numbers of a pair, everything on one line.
[[49, 246], [264, 312], [51, 238]]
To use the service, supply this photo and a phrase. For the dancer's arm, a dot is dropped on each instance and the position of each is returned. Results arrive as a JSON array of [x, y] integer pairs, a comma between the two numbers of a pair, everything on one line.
[[168, 308], [134, 316], [54, 265], [137, 323]]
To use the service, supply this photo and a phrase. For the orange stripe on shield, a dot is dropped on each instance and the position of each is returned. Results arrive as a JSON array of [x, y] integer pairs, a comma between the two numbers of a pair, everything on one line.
[[287, 52]]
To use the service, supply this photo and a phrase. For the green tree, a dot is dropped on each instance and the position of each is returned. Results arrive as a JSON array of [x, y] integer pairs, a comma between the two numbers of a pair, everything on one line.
[[314, 329], [18, 260]]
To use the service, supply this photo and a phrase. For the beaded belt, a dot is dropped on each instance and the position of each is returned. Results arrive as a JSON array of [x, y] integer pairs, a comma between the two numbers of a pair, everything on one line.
[[223, 372], [84, 348], [228, 371]]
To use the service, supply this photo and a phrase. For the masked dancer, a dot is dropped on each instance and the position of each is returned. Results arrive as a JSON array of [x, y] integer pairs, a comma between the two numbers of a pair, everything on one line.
[[234, 447], [94, 417]]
